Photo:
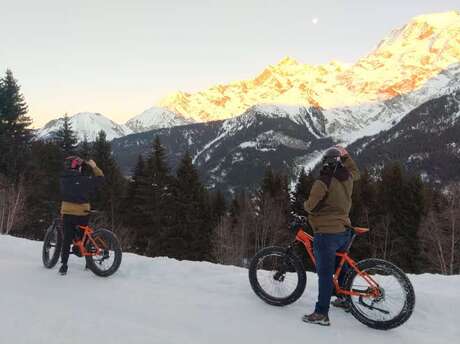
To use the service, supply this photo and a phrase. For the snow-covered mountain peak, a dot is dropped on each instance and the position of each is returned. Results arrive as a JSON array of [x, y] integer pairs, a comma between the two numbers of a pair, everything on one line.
[[287, 61], [156, 118], [401, 63], [439, 20], [86, 124]]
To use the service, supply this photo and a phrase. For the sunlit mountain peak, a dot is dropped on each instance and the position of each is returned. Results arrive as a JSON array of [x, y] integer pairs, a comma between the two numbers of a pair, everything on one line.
[[401, 63]]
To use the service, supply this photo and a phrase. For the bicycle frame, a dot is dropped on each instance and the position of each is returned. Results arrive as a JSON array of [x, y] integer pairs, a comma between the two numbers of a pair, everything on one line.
[[307, 241], [88, 235]]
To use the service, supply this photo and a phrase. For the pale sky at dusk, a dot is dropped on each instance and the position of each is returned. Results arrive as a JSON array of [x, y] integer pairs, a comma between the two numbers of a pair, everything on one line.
[[120, 57]]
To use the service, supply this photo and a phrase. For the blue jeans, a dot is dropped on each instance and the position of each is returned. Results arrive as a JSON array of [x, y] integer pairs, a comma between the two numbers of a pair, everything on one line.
[[325, 247]]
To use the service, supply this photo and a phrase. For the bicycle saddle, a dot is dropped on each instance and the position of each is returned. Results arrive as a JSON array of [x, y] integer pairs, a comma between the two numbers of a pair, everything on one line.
[[360, 230]]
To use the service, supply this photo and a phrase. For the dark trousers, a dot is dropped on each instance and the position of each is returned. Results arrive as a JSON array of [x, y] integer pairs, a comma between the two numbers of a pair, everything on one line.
[[71, 231], [325, 246]]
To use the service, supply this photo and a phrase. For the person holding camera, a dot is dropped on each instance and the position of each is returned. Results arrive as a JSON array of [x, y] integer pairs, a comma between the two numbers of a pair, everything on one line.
[[76, 190]]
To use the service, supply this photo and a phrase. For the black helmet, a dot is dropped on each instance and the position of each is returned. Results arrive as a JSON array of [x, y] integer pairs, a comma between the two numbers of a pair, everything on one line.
[[73, 163], [331, 158]]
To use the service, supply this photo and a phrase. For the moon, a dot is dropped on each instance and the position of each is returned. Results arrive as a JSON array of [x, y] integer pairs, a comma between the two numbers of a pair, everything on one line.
[[315, 21]]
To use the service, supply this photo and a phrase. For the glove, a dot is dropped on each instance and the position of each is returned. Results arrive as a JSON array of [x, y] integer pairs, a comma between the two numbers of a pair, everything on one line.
[[343, 151], [91, 163]]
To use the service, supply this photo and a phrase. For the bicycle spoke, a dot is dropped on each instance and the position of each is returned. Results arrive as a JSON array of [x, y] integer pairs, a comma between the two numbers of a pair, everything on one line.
[[277, 286], [391, 300]]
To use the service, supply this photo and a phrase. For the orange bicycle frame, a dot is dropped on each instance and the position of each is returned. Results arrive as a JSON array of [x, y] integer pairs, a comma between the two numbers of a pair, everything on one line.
[[88, 235], [307, 241]]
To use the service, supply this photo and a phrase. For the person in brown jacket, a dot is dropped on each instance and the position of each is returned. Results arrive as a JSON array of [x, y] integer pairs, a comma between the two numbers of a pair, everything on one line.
[[76, 190], [328, 206]]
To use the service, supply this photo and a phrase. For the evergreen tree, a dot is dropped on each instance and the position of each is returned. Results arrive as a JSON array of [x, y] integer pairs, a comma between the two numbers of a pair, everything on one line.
[[66, 138], [400, 206], [301, 192], [191, 235], [273, 204], [15, 136], [363, 214], [268, 181], [219, 206], [134, 211], [413, 211], [157, 201], [109, 197], [84, 149], [42, 188]]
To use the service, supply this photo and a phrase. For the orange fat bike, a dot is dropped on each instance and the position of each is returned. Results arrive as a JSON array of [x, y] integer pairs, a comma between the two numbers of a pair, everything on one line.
[[379, 293], [100, 248]]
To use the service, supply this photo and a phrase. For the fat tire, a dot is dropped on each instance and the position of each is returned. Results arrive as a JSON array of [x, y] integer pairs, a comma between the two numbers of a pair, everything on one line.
[[296, 263], [409, 304], [91, 264], [50, 262]]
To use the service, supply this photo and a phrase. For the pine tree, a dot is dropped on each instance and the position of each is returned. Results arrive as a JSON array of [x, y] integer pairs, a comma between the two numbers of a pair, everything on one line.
[[192, 232], [66, 138], [15, 136], [413, 211], [219, 206], [109, 198], [400, 206], [42, 188], [135, 210], [84, 149], [273, 204], [268, 181], [157, 201], [362, 214], [301, 192]]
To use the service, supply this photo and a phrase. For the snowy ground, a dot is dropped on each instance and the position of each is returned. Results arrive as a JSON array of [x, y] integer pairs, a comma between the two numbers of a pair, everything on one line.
[[166, 301]]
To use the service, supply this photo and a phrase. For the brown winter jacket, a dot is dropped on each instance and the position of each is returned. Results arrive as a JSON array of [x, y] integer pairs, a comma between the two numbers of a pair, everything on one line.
[[329, 202]]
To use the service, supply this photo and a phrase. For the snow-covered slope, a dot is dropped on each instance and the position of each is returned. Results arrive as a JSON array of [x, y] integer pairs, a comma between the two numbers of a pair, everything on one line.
[[167, 302], [400, 64], [156, 118], [86, 124]]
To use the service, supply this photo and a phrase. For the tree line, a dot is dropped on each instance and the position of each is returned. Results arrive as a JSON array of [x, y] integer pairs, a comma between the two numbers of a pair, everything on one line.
[[413, 224], [160, 212]]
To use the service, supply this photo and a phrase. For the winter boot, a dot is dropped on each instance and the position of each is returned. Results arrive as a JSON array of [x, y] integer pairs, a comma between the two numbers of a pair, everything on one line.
[[316, 318], [63, 269], [341, 302]]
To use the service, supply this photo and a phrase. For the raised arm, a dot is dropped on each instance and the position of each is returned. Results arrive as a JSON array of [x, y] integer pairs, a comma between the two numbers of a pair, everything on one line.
[[351, 166], [349, 163], [317, 194], [96, 170]]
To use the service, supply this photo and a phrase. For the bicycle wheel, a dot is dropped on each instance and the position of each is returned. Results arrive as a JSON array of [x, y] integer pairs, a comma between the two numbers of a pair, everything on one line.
[[396, 301], [276, 276], [52, 245], [108, 261]]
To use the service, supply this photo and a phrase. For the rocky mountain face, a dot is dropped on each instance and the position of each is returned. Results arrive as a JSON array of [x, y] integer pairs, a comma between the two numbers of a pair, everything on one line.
[[232, 155], [426, 141]]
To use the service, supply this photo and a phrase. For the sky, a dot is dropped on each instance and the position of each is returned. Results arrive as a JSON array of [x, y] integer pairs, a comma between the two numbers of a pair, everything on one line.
[[120, 57]]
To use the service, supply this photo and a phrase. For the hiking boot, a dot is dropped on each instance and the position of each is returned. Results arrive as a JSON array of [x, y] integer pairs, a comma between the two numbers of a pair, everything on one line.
[[317, 318], [63, 269], [341, 302]]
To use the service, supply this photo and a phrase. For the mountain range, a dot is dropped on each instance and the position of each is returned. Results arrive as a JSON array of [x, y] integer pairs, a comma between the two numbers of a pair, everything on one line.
[[88, 124], [291, 112]]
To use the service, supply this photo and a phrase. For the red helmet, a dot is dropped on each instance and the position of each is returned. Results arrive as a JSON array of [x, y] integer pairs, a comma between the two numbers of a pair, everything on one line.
[[73, 162]]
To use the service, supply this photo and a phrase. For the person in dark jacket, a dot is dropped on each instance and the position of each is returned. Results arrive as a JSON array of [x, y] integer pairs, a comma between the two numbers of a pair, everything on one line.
[[328, 206], [76, 190]]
